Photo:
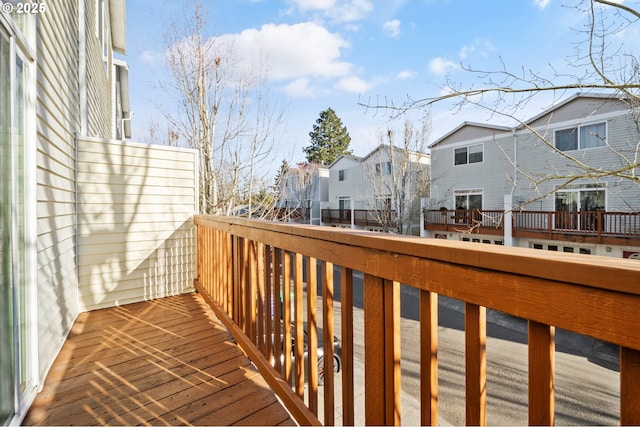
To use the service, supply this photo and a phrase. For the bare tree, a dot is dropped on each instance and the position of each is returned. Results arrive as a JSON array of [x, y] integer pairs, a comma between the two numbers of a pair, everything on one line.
[[223, 111], [398, 176], [602, 63]]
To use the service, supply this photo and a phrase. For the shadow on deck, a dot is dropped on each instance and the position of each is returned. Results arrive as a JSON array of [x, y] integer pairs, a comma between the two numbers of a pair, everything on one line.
[[163, 362]]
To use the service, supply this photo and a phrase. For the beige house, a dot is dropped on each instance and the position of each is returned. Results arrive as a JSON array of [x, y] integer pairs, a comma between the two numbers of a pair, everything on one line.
[[87, 220]]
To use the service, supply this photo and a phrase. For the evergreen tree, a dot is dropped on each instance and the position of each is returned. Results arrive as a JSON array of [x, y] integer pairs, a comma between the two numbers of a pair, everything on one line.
[[282, 173], [329, 139]]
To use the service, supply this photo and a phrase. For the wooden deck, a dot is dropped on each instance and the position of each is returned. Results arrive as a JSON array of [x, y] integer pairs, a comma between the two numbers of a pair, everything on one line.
[[162, 362]]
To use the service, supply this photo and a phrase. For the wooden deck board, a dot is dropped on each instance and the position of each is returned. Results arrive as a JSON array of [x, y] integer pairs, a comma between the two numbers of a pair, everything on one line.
[[162, 362]]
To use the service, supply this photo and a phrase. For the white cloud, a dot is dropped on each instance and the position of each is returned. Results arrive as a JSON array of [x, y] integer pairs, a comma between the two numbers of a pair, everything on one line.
[[353, 84], [150, 58], [300, 88], [290, 51], [541, 3], [406, 74], [481, 47], [441, 66], [392, 27], [338, 10]]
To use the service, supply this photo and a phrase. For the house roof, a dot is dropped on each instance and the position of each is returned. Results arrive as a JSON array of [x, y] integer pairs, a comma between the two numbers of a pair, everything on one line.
[[569, 100], [345, 156], [467, 124], [387, 146]]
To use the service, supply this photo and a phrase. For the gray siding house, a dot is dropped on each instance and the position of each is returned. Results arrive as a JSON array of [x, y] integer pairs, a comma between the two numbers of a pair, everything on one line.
[[541, 184]]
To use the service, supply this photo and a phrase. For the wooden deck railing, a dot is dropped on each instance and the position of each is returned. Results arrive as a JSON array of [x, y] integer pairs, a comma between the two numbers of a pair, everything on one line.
[[596, 224], [362, 217], [245, 266], [475, 220]]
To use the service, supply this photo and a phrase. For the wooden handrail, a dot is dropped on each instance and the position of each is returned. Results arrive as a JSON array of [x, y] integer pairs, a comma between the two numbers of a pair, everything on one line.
[[595, 296]]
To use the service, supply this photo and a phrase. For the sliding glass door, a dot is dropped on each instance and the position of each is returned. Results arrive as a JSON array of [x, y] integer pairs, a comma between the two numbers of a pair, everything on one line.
[[7, 339], [16, 361]]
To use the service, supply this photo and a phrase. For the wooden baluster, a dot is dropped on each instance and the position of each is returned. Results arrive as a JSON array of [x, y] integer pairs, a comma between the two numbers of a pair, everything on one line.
[[252, 291], [228, 273], [476, 364], [327, 335], [312, 331], [429, 358], [629, 386], [267, 310], [299, 327], [382, 353], [260, 266], [277, 310], [392, 351], [541, 374], [286, 312], [346, 304]]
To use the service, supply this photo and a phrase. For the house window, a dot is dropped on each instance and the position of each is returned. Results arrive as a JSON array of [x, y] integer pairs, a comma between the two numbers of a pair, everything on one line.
[[343, 175], [383, 168], [470, 154], [344, 203], [577, 207], [581, 137], [468, 200]]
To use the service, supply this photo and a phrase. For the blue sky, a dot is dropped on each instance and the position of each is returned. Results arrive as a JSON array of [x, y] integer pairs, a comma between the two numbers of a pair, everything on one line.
[[335, 53]]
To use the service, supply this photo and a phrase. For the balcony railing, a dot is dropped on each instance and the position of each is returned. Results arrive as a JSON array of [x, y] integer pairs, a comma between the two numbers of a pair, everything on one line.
[[598, 226], [362, 217], [595, 227], [259, 276], [475, 220]]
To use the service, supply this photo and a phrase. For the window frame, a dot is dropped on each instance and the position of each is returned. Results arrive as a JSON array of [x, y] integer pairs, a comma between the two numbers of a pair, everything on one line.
[[468, 155], [343, 175], [578, 132]]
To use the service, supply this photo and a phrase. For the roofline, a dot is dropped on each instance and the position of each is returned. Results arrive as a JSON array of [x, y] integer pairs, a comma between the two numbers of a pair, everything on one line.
[[467, 123], [359, 159], [565, 102], [118, 17], [419, 153]]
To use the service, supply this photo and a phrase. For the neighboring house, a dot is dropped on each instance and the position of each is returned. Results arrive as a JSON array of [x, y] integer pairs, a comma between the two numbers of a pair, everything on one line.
[[504, 185], [302, 190], [379, 192], [86, 219]]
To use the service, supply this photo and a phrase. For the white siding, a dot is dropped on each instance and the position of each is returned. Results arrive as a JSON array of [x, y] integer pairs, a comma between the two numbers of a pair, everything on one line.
[[350, 187], [99, 83], [57, 118], [136, 235]]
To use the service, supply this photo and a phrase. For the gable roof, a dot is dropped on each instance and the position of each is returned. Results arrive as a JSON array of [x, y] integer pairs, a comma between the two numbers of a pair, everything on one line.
[[466, 125], [576, 97], [387, 146], [345, 156]]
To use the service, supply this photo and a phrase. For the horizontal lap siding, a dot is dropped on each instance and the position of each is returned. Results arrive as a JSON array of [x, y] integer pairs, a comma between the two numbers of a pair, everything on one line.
[[99, 81], [538, 160], [57, 118], [136, 235]]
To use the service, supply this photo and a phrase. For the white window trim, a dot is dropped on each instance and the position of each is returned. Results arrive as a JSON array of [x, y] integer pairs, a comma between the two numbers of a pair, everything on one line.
[[577, 126], [468, 147]]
